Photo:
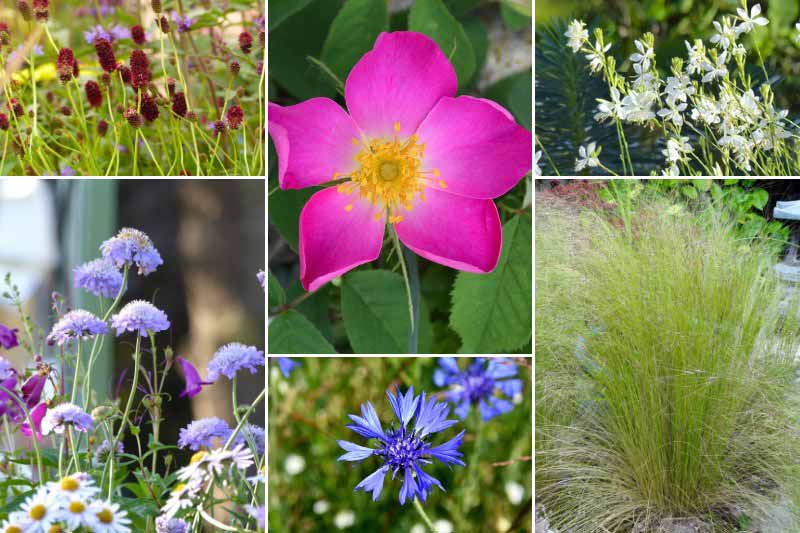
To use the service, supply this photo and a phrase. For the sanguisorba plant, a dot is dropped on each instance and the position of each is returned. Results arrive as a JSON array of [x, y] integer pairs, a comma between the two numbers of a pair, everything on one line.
[[681, 402]]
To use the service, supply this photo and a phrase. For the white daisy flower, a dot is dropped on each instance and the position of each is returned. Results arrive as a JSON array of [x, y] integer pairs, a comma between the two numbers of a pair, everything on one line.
[[108, 518], [75, 514], [40, 510], [15, 523], [79, 485]]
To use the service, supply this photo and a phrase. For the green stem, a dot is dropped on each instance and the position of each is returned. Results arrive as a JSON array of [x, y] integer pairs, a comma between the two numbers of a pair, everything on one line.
[[412, 348], [35, 442], [421, 511], [413, 281], [137, 360]]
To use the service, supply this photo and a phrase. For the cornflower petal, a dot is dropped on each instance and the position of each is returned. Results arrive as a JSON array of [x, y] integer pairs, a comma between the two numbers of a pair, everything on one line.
[[354, 451], [448, 452], [374, 482]]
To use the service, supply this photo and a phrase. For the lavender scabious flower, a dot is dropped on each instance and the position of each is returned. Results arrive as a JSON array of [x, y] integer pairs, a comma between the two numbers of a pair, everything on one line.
[[67, 414], [165, 524], [140, 316], [114, 33], [262, 279], [134, 247], [102, 452], [480, 384], [251, 432], [6, 370], [287, 364], [100, 277], [8, 337], [202, 433], [234, 357], [183, 24], [77, 324], [404, 449]]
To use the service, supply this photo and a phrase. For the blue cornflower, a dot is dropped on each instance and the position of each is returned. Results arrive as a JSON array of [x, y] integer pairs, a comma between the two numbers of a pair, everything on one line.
[[100, 277], [140, 316], [287, 364], [184, 24], [134, 247], [254, 432], [203, 433], [234, 357], [77, 324], [479, 384], [403, 449]]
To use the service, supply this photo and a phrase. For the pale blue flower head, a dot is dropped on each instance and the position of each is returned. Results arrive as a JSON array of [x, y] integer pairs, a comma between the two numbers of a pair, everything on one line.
[[133, 247], [140, 316], [100, 277], [204, 433], [77, 324], [231, 358]]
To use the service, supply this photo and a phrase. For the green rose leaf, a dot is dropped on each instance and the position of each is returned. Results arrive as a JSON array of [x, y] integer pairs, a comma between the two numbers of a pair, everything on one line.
[[432, 18], [280, 10], [492, 312], [353, 33], [275, 292], [291, 332]]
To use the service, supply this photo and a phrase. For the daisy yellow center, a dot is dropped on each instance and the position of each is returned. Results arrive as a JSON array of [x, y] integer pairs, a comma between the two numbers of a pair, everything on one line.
[[37, 512], [105, 516], [70, 484], [199, 456], [13, 529], [76, 507], [179, 487], [390, 175], [55, 529]]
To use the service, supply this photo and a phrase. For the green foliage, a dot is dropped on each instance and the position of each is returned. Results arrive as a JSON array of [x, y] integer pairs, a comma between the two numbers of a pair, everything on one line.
[[492, 312], [432, 18], [352, 34], [275, 291], [308, 413], [681, 402], [292, 333]]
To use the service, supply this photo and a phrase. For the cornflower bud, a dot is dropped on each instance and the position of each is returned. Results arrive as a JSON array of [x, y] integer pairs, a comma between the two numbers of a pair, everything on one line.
[[235, 116], [245, 42], [105, 54], [93, 93]]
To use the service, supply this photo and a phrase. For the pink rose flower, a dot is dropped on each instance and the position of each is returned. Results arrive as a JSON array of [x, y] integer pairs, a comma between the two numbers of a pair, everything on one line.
[[409, 153]]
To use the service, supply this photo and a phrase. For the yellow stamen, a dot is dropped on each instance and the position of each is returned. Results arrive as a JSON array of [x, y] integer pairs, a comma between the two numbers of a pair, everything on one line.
[[377, 216], [436, 172], [106, 516], [442, 184], [13, 529], [55, 528], [76, 507], [397, 127], [70, 484], [355, 141], [197, 457], [38, 511], [395, 219], [348, 207]]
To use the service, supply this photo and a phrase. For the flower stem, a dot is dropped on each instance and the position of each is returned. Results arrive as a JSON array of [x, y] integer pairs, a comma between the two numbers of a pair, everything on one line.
[[421, 511], [412, 286]]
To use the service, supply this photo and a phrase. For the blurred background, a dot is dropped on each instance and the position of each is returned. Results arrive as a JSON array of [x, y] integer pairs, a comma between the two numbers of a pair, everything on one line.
[[210, 234], [310, 491]]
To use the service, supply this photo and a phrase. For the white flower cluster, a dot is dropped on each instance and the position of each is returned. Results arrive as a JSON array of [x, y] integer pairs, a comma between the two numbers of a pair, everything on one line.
[[204, 467], [67, 505], [708, 95]]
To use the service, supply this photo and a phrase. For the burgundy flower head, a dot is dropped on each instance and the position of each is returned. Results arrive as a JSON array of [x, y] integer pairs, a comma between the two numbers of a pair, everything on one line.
[[149, 107], [41, 9], [245, 42], [133, 118], [125, 72], [76, 71], [93, 93], [235, 116], [24, 10], [3, 126], [65, 65], [140, 69], [65, 110], [105, 54], [102, 127], [16, 107], [156, 5], [171, 87], [164, 24], [219, 127], [137, 34], [234, 67], [179, 104]]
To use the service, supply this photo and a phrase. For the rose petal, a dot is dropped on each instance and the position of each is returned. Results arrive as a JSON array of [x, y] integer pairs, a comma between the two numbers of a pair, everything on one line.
[[477, 147], [314, 140], [455, 231], [334, 240], [398, 81]]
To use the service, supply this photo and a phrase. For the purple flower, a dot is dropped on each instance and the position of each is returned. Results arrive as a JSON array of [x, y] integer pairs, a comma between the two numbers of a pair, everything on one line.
[[287, 364], [194, 384], [77, 324], [37, 414], [165, 524], [6, 370], [140, 316], [203, 433], [67, 414], [102, 452], [403, 449], [259, 513], [114, 33], [8, 337], [234, 357], [480, 384], [100, 277], [66, 170], [37, 50], [262, 279], [251, 432], [33, 387], [133, 247], [7, 403], [184, 24]]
